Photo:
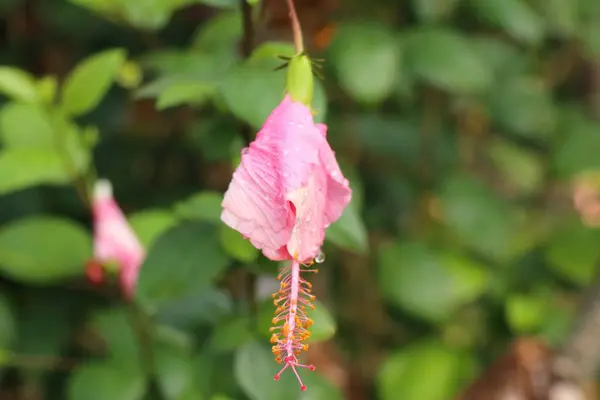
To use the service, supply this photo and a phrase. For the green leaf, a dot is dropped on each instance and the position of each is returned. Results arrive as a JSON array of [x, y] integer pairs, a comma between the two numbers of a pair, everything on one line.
[[175, 370], [8, 325], [525, 106], [47, 88], [18, 85], [480, 219], [562, 16], [526, 313], [254, 369], [577, 150], [515, 16], [220, 33], [251, 93], [181, 92], [150, 224], [43, 249], [504, 58], [267, 54], [106, 380], [29, 126], [426, 283], [236, 246], [114, 326], [324, 326], [446, 59], [220, 3], [591, 40], [21, 168], [434, 10], [368, 61], [521, 168], [322, 329], [89, 81], [573, 252], [26, 125], [178, 65], [148, 15], [130, 75], [206, 306], [204, 206], [231, 334], [349, 232], [425, 370], [184, 259]]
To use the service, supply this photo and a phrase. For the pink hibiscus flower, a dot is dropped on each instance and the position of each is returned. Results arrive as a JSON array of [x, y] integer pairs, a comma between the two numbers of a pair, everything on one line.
[[114, 240], [286, 191], [288, 187]]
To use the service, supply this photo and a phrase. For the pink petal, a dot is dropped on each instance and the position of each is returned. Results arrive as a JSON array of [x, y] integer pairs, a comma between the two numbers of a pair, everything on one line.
[[309, 228], [339, 193], [114, 240], [288, 186], [254, 202]]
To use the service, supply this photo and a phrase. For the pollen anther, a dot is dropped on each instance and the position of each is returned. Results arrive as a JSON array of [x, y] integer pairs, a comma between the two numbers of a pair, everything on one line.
[[291, 322]]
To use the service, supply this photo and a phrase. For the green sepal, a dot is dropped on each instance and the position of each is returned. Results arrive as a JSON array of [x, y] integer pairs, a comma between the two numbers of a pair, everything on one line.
[[300, 81]]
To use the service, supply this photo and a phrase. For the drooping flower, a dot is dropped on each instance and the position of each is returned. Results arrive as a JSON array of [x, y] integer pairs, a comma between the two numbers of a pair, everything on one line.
[[286, 191], [114, 240], [288, 187]]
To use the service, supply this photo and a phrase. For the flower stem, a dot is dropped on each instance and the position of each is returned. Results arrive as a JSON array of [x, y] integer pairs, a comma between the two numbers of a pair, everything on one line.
[[142, 327], [296, 29]]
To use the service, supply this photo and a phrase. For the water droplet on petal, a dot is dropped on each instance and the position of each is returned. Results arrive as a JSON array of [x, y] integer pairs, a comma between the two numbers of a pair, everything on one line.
[[320, 258], [244, 151]]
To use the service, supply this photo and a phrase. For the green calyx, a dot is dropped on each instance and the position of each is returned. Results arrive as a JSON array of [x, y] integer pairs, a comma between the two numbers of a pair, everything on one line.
[[300, 81]]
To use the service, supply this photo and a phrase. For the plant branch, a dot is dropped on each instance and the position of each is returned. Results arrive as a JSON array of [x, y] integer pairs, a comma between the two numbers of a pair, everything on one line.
[[142, 327], [296, 29], [61, 144]]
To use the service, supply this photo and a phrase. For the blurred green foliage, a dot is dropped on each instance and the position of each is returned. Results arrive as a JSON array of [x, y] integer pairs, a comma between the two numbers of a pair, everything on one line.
[[460, 124]]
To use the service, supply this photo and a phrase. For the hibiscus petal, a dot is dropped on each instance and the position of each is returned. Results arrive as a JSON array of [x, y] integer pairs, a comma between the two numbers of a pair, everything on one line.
[[309, 228], [254, 203], [288, 186], [339, 193]]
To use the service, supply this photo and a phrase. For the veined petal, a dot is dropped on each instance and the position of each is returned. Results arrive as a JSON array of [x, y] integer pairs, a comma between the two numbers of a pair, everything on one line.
[[288, 187], [254, 202], [309, 227], [339, 193]]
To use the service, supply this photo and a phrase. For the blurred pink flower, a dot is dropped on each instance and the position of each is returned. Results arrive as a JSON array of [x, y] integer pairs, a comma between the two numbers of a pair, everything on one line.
[[288, 187], [114, 240]]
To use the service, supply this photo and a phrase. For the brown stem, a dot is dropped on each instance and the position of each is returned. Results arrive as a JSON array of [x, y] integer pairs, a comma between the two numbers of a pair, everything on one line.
[[298, 42]]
